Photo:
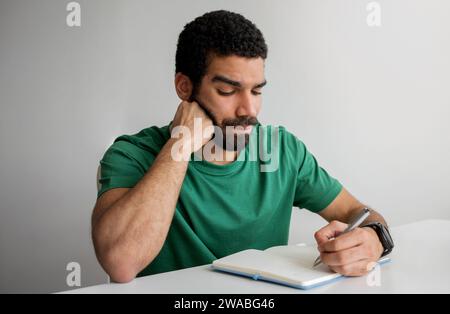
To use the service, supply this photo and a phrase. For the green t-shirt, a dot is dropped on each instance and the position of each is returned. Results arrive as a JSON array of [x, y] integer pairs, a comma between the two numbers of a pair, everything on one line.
[[223, 209]]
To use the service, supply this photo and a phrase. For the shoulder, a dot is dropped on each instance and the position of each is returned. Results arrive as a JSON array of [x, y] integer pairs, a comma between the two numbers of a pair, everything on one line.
[[148, 141], [151, 139]]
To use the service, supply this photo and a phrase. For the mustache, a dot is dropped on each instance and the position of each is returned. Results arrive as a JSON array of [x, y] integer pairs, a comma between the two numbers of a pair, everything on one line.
[[240, 121]]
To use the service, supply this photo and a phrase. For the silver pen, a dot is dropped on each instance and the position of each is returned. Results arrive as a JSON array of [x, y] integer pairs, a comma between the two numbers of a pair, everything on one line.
[[355, 223]]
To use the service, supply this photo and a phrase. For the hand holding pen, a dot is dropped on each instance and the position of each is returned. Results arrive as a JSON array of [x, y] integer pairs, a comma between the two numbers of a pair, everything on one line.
[[347, 249]]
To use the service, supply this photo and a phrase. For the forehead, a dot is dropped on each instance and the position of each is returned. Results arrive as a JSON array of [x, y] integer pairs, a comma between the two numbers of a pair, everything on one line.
[[248, 71]]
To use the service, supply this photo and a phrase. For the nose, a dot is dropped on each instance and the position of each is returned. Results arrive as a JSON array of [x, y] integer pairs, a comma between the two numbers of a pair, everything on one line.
[[247, 105]]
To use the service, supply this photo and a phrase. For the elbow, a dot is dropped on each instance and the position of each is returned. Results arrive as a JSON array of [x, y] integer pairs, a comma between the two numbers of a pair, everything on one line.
[[119, 268], [114, 261], [122, 274], [118, 260]]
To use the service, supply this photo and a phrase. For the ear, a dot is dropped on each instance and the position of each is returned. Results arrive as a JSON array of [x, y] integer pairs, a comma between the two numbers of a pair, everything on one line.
[[183, 86]]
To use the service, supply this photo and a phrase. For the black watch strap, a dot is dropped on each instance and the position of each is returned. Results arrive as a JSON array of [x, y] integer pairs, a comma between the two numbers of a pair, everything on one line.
[[383, 235]]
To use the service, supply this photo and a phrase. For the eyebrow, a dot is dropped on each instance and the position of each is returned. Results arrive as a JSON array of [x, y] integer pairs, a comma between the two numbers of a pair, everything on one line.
[[223, 79]]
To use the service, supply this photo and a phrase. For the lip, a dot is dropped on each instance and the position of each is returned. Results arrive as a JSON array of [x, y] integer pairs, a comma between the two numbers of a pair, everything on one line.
[[243, 130]]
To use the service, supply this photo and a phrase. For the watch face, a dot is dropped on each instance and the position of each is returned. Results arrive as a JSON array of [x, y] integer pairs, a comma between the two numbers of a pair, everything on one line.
[[387, 241], [391, 242], [383, 235]]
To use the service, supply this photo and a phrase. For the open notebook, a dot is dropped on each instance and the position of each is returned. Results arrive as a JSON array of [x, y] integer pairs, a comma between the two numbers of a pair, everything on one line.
[[290, 265]]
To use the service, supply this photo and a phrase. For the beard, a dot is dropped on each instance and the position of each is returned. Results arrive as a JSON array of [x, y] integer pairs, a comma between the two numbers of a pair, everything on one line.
[[225, 136], [228, 139]]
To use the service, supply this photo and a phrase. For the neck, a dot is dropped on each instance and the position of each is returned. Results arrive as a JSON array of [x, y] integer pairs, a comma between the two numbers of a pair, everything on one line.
[[217, 155]]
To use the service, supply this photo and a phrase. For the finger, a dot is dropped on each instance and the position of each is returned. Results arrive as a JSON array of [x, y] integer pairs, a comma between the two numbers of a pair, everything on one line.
[[348, 240], [330, 231], [358, 268], [344, 257]]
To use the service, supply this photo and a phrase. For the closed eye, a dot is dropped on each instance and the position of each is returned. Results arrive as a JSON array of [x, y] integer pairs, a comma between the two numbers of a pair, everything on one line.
[[221, 92]]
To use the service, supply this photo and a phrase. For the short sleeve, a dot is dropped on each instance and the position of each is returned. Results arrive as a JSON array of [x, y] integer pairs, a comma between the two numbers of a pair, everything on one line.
[[120, 167], [315, 188]]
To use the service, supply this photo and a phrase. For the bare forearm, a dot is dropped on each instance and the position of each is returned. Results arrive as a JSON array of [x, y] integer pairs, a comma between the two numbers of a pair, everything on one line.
[[373, 217], [132, 231], [129, 231], [345, 207]]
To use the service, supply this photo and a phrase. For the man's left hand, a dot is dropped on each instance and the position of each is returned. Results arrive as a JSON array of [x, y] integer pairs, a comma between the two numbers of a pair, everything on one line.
[[351, 254]]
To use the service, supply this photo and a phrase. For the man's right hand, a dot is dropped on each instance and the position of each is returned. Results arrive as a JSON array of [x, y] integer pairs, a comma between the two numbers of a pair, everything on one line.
[[186, 115]]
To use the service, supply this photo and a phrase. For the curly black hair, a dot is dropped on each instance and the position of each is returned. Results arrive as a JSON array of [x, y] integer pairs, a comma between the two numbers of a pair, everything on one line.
[[221, 33]]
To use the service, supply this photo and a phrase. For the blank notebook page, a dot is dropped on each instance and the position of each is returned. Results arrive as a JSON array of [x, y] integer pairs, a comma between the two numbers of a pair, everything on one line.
[[291, 264]]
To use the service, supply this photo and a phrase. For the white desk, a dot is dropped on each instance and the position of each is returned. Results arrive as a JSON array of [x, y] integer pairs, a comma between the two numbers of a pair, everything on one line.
[[420, 264]]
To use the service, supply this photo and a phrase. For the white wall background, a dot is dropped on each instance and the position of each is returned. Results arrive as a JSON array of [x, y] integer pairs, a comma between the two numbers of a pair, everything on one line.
[[372, 104]]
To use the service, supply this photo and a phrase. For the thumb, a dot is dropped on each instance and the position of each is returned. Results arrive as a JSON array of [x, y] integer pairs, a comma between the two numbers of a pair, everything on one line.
[[330, 231]]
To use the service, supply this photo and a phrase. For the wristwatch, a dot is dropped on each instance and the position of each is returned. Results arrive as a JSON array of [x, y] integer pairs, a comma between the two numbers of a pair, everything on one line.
[[383, 235]]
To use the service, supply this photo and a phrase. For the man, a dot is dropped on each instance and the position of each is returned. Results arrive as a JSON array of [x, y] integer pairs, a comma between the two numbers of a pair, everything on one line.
[[166, 202]]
